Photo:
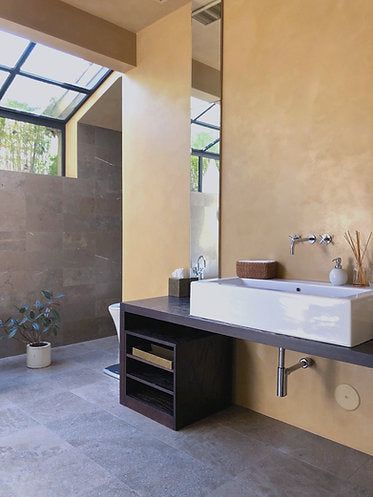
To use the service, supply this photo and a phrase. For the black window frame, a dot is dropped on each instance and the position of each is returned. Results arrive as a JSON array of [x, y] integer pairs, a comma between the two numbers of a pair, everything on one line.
[[37, 119], [204, 153], [47, 122]]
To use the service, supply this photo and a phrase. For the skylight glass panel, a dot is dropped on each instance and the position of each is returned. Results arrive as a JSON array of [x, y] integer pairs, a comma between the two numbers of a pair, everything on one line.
[[11, 48], [35, 97], [65, 68], [3, 76]]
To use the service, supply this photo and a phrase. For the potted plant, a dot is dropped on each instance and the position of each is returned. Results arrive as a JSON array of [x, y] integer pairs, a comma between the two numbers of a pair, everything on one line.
[[33, 325]]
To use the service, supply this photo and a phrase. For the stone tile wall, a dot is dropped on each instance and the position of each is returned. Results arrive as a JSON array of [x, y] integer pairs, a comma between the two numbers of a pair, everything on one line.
[[64, 234]]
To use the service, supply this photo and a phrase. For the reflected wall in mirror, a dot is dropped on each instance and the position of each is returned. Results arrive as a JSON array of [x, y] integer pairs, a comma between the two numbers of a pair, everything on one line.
[[205, 133]]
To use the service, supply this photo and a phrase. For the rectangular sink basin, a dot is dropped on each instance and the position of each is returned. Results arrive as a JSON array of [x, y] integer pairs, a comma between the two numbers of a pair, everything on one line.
[[303, 309]]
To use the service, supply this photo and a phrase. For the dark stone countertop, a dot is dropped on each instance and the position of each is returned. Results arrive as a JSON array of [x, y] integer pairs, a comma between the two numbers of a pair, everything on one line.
[[176, 310]]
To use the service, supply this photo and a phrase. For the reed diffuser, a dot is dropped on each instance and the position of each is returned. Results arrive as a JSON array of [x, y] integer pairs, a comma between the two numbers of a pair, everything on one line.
[[359, 250]]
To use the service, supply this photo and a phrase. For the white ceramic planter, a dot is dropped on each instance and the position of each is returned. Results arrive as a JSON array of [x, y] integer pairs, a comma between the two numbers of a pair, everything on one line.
[[39, 356]]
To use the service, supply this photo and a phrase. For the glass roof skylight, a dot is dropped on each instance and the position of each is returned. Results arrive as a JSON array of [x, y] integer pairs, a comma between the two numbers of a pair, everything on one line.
[[42, 81], [12, 47]]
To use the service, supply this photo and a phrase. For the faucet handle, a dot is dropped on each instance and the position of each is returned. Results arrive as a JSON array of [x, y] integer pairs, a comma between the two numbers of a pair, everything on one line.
[[325, 239], [295, 237]]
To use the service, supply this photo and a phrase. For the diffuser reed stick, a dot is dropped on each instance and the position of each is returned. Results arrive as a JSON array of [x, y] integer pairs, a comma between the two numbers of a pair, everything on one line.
[[359, 252]]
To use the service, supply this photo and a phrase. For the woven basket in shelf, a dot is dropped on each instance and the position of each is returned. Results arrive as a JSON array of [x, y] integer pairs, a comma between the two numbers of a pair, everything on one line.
[[263, 270]]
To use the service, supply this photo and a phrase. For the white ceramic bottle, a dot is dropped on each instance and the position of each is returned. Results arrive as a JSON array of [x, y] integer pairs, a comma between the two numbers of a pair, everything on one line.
[[338, 276]]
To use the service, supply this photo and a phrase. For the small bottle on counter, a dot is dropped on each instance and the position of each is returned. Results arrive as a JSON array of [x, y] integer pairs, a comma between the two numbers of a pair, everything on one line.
[[338, 276]]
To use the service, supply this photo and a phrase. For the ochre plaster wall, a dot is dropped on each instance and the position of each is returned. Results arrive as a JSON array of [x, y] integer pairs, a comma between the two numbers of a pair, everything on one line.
[[298, 157], [156, 147]]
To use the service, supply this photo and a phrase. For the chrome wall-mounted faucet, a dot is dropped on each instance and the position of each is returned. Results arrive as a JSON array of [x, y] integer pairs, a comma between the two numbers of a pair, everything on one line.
[[324, 239], [299, 239], [199, 269]]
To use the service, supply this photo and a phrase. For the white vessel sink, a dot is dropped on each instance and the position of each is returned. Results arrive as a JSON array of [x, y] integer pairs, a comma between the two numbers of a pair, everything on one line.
[[304, 309]]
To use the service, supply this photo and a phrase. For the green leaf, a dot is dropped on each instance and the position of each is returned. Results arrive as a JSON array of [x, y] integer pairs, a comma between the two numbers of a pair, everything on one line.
[[36, 326], [56, 314], [12, 332], [46, 294]]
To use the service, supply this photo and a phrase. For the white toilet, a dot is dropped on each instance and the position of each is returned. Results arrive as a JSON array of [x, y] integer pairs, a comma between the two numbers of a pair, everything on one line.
[[114, 310], [114, 369]]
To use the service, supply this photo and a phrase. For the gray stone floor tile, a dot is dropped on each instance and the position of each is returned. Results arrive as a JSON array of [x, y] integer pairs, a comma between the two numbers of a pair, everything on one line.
[[63, 475], [142, 462], [237, 488], [108, 343], [320, 452], [13, 419], [63, 426], [80, 348], [98, 359], [33, 445], [12, 367], [153, 468], [30, 389], [218, 445], [104, 393], [6, 491], [92, 428], [257, 426], [114, 488], [325, 454], [69, 380], [363, 477], [57, 406], [280, 475]]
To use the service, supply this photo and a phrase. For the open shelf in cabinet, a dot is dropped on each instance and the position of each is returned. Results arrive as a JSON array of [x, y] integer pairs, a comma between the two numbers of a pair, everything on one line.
[[198, 384]]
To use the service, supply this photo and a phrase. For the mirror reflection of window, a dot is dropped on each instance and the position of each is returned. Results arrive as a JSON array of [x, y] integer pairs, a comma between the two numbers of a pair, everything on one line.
[[205, 144]]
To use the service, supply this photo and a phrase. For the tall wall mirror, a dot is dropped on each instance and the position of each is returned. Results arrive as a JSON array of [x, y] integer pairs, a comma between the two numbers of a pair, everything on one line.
[[205, 134]]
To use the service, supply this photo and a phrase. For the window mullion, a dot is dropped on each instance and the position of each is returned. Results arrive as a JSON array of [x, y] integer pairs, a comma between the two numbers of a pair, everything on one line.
[[66, 86], [13, 72]]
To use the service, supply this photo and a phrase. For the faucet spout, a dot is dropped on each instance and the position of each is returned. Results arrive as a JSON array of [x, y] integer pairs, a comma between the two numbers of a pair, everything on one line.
[[299, 239], [199, 269], [293, 240]]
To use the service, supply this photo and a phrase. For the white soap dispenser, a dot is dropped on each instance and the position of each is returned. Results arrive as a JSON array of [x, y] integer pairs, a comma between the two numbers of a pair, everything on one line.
[[338, 276]]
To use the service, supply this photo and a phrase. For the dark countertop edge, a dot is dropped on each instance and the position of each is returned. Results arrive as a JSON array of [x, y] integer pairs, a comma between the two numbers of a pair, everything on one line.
[[173, 310]]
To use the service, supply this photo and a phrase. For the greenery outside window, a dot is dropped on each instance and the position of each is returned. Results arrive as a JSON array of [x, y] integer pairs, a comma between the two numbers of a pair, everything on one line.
[[205, 141], [27, 147], [40, 90]]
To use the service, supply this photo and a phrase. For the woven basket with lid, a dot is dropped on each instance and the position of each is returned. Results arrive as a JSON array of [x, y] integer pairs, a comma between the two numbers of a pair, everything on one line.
[[257, 269]]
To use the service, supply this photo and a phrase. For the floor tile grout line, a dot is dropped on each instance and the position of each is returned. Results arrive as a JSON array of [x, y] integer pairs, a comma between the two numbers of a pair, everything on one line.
[[358, 469], [198, 461], [276, 449], [282, 451], [97, 407]]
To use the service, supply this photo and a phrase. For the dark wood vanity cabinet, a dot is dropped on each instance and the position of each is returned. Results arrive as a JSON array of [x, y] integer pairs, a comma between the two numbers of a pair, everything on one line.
[[198, 384], [201, 350]]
